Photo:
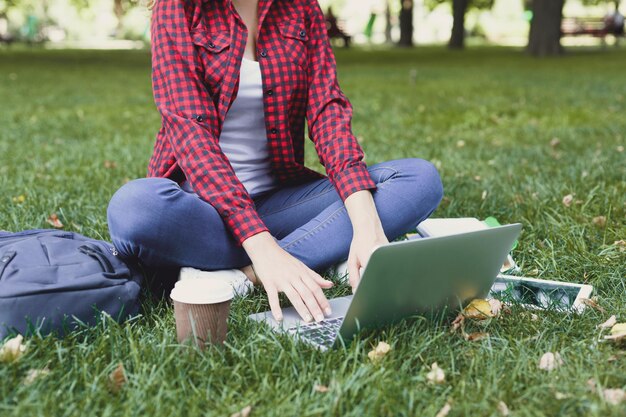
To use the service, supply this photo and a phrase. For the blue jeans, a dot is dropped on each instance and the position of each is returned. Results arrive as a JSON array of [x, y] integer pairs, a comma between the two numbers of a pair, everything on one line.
[[157, 222]]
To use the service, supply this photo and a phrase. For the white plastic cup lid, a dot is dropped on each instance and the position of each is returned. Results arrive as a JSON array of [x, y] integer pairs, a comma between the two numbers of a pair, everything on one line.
[[202, 291]]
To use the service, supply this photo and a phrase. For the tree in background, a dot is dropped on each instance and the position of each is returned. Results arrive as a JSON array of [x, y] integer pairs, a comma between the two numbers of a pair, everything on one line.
[[459, 10], [406, 23], [544, 38]]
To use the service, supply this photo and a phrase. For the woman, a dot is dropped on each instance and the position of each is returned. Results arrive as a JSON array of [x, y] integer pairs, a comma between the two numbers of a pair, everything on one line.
[[228, 195]]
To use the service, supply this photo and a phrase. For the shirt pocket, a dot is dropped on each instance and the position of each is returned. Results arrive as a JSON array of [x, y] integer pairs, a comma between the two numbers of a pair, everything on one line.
[[213, 48], [294, 36]]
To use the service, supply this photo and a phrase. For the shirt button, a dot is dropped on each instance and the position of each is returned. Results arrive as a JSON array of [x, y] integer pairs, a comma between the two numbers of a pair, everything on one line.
[[211, 45], [270, 92], [302, 34], [199, 119], [263, 54], [273, 131]]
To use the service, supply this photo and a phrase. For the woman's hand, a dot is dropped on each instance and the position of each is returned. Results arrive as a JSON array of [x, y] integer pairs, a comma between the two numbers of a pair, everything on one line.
[[279, 271], [368, 233], [361, 248]]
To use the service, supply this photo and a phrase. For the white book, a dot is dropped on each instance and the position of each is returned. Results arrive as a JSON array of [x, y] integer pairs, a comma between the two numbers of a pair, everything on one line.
[[446, 227]]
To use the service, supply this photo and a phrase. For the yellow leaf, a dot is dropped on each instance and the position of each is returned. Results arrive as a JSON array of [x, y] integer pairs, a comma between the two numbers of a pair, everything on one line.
[[478, 309], [614, 396], [609, 323], [436, 375], [117, 378], [618, 333], [320, 388], [445, 410], [379, 351], [245, 412], [503, 409], [12, 349], [550, 361], [19, 199]]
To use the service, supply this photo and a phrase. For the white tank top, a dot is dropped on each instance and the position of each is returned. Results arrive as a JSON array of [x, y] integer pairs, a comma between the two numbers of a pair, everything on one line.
[[243, 138]]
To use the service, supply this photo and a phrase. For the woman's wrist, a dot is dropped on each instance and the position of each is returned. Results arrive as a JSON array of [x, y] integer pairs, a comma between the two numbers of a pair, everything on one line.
[[363, 214], [260, 245]]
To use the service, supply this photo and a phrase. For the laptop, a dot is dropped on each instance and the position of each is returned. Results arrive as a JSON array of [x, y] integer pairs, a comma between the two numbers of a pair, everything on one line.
[[428, 276]]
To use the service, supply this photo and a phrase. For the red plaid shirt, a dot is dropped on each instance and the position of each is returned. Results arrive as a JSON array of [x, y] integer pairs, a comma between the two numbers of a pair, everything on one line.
[[197, 47]]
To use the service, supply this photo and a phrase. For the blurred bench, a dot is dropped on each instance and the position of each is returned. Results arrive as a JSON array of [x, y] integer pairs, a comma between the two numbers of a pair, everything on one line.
[[587, 26]]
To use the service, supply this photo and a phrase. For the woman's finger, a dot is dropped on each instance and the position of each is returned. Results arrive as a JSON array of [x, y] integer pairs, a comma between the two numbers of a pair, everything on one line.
[[297, 302], [322, 301], [272, 297], [353, 274], [319, 280], [309, 299]]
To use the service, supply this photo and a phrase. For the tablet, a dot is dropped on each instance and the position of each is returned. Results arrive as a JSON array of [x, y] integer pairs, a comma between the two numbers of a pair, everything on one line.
[[540, 293]]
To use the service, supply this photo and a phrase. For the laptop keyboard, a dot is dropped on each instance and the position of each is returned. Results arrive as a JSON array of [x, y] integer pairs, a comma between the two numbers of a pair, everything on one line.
[[323, 333]]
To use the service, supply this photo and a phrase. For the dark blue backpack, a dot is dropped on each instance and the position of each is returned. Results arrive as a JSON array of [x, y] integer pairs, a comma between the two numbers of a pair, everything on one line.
[[51, 279]]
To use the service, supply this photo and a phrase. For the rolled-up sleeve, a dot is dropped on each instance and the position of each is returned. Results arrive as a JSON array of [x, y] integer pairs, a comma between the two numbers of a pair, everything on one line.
[[189, 121], [329, 114]]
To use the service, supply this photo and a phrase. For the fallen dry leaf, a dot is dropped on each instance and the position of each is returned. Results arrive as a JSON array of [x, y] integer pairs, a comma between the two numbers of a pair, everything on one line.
[[555, 142], [33, 374], [245, 412], [619, 149], [117, 378], [614, 396], [496, 306], [474, 337], [379, 351], [110, 164], [320, 388], [621, 244], [54, 221], [550, 361], [503, 409], [591, 385], [618, 333], [534, 317], [458, 323], [436, 374], [567, 200], [590, 302], [445, 410], [483, 196], [19, 199], [560, 396], [460, 143], [609, 323], [478, 309], [599, 221], [12, 349]]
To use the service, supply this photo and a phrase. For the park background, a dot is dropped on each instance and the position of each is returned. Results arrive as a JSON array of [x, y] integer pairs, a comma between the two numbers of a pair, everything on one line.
[[525, 139]]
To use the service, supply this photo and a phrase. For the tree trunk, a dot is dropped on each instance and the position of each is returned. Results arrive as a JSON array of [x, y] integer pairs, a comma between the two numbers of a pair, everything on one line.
[[118, 10], [388, 23], [406, 23], [457, 38], [545, 28]]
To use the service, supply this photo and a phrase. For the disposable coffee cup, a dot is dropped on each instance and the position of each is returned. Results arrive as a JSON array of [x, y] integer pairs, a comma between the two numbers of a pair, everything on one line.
[[201, 310]]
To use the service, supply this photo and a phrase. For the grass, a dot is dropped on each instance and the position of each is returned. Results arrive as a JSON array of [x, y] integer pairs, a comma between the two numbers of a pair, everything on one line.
[[486, 117]]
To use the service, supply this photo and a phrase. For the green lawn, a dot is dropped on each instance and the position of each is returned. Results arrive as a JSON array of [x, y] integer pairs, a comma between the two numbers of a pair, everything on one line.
[[76, 125]]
